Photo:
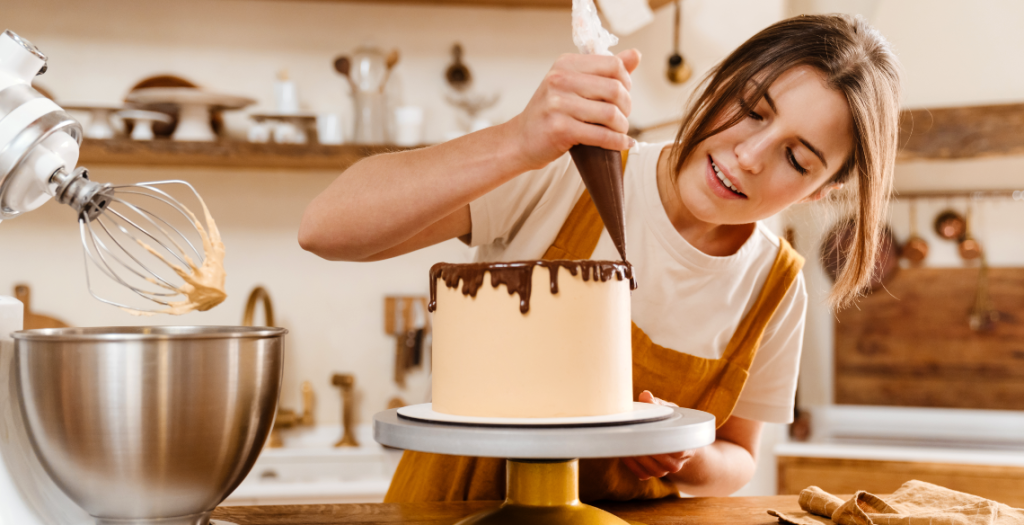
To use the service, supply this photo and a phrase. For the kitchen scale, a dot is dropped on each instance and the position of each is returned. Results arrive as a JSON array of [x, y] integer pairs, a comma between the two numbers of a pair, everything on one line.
[[542, 486]]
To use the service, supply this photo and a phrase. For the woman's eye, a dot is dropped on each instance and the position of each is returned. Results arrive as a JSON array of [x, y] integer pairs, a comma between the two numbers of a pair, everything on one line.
[[796, 165], [754, 115]]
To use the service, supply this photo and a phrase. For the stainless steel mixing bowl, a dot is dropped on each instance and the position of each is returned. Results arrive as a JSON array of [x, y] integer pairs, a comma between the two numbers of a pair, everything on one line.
[[142, 425]]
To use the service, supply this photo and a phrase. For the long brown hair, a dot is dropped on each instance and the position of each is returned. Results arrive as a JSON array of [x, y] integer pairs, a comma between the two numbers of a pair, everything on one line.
[[856, 61]]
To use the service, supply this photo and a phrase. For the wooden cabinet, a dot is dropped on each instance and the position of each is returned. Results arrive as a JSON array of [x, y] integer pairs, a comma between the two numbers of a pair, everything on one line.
[[846, 476], [911, 345]]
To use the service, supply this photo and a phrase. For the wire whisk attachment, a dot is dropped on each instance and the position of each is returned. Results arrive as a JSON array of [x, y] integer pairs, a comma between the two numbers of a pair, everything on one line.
[[144, 239]]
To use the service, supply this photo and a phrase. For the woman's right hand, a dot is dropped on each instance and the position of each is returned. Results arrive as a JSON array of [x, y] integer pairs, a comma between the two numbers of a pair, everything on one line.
[[584, 99], [392, 204]]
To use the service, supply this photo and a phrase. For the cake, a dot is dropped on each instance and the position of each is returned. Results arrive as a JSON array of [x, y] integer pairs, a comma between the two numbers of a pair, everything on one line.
[[531, 339]]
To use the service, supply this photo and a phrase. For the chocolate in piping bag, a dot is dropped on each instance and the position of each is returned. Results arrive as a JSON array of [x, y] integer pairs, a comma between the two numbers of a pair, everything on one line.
[[601, 170]]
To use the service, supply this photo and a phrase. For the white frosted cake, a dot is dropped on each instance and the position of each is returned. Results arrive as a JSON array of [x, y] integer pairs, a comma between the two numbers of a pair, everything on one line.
[[534, 339]]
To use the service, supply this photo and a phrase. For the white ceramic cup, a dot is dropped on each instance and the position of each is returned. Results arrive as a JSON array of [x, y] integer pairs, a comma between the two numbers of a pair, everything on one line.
[[259, 132], [328, 129], [408, 126]]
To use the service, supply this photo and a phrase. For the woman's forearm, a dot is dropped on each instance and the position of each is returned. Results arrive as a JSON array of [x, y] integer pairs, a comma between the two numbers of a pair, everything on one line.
[[719, 469], [383, 201], [390, 204]]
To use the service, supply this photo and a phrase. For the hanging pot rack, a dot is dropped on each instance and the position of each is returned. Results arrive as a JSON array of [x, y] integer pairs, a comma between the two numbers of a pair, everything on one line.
[[1017, 195]]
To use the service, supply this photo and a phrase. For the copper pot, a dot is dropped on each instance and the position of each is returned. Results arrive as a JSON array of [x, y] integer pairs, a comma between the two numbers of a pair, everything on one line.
[[950, 225], [969, 248], [915, 249]]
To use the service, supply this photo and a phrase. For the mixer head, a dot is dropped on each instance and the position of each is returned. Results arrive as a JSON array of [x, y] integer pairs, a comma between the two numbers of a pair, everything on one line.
[[140, 236]]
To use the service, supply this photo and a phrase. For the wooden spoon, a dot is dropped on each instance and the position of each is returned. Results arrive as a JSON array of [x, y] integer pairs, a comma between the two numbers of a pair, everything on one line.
[[390, 61], [343, 65]]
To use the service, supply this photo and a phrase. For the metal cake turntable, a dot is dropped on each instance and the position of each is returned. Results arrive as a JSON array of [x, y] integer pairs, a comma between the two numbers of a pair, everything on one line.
[[543, 462]]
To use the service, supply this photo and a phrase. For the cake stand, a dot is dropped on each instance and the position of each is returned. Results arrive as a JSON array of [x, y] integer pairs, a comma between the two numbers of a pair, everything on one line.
[[194, 106], [99, 118], [543, 462]]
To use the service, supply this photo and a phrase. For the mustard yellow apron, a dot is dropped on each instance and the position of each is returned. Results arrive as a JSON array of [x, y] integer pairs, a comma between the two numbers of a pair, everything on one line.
[[711, 385]]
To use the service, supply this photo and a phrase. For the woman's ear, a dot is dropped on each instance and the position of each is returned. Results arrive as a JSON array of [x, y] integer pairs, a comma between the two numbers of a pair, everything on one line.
[[823, 192]]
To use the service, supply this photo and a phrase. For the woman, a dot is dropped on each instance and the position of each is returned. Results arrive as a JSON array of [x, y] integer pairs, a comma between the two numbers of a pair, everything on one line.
[[801, 109]]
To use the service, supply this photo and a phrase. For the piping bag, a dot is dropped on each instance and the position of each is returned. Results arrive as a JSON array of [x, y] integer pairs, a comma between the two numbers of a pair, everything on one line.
[[601, 169]]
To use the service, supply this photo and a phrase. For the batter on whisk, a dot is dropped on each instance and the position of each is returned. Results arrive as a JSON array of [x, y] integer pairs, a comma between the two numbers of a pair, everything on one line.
[[204, 284]]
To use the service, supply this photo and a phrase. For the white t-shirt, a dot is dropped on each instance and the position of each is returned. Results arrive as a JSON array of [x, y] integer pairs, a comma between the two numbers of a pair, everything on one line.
[[687, 300]]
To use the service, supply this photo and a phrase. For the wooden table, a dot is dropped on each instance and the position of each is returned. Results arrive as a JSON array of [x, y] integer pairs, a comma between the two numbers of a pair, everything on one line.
[[702, 511]]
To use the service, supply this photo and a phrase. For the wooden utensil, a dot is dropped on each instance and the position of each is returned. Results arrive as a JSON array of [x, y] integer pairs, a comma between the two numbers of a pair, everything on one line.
[[390, 62], [344, 66], [457, 74], [33, 320]]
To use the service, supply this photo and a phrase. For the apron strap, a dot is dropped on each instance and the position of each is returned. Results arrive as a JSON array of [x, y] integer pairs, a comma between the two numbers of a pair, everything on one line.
[[748, 334]]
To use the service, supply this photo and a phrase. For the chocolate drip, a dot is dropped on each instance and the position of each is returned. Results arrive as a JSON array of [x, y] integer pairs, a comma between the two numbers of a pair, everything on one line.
[[601, 170], [518, 276]]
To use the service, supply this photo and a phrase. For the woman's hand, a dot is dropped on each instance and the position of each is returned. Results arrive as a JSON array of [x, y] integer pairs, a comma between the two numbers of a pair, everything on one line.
[[658, 465], [392, 204], [584, 99]]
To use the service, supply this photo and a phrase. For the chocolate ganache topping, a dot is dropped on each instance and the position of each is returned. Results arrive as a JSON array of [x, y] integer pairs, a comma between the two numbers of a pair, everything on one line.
[[518, 276]]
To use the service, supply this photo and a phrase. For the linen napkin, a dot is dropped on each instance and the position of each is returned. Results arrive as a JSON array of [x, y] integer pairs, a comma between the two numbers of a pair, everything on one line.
[[915, 503]]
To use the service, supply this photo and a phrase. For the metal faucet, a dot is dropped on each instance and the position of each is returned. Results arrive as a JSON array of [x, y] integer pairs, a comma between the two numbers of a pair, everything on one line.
[[346, 382], [286, 418]]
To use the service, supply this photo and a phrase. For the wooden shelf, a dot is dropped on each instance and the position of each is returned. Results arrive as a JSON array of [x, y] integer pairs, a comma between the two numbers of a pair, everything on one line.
[[225, 154], [937, 133], [962, 132], [525, 4]]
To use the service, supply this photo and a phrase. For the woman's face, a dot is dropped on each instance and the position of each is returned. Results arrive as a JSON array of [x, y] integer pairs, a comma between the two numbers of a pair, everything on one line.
[[785, 150]]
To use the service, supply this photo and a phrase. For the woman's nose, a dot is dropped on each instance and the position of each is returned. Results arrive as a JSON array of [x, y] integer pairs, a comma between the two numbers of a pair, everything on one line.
[[750, 153]]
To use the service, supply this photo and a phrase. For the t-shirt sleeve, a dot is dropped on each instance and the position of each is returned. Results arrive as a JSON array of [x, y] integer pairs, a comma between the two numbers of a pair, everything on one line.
[[770, 392], [498, 215]]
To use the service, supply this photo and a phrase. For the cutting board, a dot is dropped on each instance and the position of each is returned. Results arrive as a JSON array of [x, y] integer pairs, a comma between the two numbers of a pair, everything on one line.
[[911, 345], [33, 320]]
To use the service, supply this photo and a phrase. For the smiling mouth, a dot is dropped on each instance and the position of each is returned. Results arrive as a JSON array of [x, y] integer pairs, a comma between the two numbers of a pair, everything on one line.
[[725, 181]]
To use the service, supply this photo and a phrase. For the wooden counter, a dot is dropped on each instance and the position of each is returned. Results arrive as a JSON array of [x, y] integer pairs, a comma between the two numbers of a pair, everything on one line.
[[697, 511]]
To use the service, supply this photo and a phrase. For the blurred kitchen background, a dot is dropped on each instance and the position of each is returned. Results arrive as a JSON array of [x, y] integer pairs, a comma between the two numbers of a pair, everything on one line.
[[914, 386]]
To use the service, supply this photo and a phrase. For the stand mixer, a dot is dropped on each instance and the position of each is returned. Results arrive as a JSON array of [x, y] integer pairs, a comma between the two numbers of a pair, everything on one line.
[[133, 234], [118, 425]]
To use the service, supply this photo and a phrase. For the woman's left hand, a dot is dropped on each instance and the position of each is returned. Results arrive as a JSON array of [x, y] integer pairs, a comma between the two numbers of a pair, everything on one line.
[[658, 465]]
